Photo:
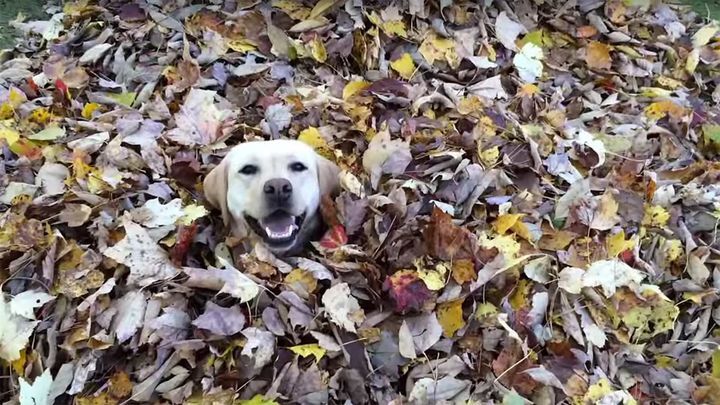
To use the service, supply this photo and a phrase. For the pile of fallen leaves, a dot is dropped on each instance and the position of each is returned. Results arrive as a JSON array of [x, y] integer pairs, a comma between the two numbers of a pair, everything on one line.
[[529, 209]]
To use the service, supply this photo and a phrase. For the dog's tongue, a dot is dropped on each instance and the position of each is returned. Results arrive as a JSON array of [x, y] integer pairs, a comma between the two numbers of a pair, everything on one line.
[[279, 225]]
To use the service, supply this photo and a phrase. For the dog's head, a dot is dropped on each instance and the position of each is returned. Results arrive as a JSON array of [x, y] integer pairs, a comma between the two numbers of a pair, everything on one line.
[[272, 190]]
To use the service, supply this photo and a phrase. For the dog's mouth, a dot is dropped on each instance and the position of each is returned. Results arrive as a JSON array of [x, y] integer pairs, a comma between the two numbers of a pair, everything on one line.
[[278, 228]]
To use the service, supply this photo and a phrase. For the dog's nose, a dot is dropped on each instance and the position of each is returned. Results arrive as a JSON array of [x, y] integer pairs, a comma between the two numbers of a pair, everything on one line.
[[278, 190]]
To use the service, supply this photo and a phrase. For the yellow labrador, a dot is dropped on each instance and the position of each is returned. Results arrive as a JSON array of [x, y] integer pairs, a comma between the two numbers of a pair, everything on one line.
[[271, 191]]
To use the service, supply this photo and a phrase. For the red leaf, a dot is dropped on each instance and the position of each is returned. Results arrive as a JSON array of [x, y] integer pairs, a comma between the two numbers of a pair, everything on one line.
[[334, 237], [407, 290], [627, 256], [184, 240], [60, 85]]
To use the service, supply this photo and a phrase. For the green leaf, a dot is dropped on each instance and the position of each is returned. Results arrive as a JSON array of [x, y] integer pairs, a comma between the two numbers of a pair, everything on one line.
[[124, 98], [258, 400], [48, 134]]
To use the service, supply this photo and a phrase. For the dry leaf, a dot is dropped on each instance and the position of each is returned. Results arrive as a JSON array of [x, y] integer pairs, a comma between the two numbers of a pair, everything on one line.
[[597, 55], [148, 262], [343, 309]]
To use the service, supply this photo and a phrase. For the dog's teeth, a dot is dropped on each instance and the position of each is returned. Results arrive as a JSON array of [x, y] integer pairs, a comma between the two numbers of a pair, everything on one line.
[[279, 235]]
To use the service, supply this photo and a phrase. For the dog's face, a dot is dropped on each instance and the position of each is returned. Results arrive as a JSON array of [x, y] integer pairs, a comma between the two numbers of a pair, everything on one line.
[[272, 190]]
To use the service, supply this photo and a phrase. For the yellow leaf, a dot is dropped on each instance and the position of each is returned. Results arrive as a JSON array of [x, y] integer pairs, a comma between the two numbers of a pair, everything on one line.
[[598, 390], [597, 55], [450, 317], [89, 175], [102, 399], [692, 61], [522, 230], [321, 7], [617, 244], [257, 400], [359, 116], [312, 137], [506, 244], [673, 249], [10, 136], [528, 90], [490, 156], [242, 45], [485, 310], [317, 50], [660, 109], [435, 48], [404, 66], [655, 92], [432, 279], [716, 364], [705, 34], [463, 270], [19, 365], [396, 27], [6, 111], [353, 88], [655, 216], [294, 9], [191, 213], [40, 116], [668, 82], [301, 281], [505, 222], [311, 349], [471, 105], [15, 98], [665, 362], [89, 109], [519, 298]]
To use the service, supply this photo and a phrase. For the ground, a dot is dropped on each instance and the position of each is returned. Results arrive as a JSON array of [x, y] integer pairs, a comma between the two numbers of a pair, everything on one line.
[[527, 212]]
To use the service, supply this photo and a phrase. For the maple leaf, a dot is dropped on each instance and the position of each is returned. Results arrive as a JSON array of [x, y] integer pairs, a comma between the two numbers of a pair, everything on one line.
[[407, 290], [334, 238], [200, 121], [147, 261], [447, 241]]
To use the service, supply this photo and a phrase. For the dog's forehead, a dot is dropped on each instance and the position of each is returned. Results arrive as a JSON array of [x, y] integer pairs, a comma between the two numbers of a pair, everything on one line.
[[274, 150]]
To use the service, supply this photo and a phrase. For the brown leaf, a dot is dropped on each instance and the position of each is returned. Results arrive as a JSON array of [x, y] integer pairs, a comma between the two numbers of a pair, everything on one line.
[[597, 55], [120, 385], [75, 214], [447, 241]]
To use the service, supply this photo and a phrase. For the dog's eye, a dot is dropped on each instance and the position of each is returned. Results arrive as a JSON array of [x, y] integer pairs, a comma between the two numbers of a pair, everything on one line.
[[298, 167], [249, 169]]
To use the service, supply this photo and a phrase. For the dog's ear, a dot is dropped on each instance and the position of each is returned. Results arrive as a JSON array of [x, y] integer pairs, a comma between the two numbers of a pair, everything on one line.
[[215, 188], [327, 175]]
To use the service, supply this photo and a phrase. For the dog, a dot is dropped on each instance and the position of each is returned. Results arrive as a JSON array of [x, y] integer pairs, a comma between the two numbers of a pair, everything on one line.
[[270, 191]]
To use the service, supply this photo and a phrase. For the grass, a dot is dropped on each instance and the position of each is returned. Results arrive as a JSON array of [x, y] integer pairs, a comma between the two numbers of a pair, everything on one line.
[[9, 10], [710, 8]]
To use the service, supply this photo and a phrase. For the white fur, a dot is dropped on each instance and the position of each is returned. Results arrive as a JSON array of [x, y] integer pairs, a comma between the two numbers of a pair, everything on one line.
[[239, 195]]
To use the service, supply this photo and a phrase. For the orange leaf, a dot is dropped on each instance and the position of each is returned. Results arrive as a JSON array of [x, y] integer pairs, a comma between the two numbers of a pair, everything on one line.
[[586, 31], [463, 270], [597, 55]]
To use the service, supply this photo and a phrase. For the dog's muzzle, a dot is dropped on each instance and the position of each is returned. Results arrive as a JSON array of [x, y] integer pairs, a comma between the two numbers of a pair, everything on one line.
[[277, 229]]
